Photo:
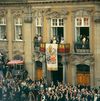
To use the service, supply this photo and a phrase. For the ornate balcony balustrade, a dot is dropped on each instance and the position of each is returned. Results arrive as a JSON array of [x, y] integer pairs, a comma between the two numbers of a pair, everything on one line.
[[62, 48]]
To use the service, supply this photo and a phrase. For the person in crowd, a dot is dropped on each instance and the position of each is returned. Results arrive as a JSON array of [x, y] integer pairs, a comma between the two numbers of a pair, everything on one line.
[[12, 89], [0, 91]]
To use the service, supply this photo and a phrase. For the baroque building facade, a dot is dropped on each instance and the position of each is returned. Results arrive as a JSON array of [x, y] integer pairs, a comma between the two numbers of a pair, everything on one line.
[[76, 22]]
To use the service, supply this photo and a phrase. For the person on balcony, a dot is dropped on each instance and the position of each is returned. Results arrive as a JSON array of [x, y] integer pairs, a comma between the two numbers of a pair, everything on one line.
[[35, 41], [62, 40], [54, 40], [40, 38]]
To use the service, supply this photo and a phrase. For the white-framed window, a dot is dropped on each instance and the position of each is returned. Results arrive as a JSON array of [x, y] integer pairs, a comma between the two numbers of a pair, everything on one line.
[[82, 22], [39, 26], [18, 28], [82, 34], [57, 22], [57, 28], [2, 28]]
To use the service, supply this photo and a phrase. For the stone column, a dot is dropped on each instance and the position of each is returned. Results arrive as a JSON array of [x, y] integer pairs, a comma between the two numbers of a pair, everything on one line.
[[64, 69], [28, 48], [74, 75], [34, 70], [91, 76], [9, 34], [44, 67], [97, 45], [64, 74]]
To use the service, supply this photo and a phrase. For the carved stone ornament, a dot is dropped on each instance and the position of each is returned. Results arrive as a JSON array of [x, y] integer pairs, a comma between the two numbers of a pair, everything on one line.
[[3, 12], [82, 59], [38, 12], [97, 16], [56, 13], [18, 47], [82, 12], [17, 12]]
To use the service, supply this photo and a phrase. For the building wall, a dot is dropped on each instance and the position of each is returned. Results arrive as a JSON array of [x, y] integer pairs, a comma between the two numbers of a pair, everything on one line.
[[25, 48]]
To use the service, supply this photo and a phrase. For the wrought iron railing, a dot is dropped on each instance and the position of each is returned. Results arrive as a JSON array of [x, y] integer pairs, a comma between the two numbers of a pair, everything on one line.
[[81, 48]]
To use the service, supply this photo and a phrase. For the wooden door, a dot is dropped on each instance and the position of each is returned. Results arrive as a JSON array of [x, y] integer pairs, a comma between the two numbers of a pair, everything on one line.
[[39, 73], [83, 78]]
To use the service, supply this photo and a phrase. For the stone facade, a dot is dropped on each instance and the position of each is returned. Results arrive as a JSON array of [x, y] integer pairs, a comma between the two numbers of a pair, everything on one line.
[[66, 10]]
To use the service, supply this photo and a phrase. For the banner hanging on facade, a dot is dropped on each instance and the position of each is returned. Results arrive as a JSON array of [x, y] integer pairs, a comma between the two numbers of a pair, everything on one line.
[[51, 56]]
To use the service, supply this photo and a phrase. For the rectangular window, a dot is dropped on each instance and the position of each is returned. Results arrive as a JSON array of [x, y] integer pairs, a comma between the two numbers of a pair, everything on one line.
[[59, 22], [39, 26], [2, 28], [82, 22], [57, 29], [82, 26], [18, 29]]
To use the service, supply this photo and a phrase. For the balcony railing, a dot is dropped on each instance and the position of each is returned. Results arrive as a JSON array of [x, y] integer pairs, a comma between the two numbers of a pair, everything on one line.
[[81, 48], [62, 48]]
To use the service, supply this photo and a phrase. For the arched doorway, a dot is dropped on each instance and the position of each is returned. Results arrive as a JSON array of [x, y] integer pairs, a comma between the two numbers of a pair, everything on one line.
[[83, 74], [38, 70]]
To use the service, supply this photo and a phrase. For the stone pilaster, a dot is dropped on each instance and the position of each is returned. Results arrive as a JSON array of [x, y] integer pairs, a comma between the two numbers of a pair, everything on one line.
[[74, 75], [97, 44]]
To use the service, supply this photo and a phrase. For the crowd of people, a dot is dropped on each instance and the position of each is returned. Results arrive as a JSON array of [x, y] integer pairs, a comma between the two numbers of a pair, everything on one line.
[[16, 89]]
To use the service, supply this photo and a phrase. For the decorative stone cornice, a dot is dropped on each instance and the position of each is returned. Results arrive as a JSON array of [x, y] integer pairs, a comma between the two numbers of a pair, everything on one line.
[[87, 59]]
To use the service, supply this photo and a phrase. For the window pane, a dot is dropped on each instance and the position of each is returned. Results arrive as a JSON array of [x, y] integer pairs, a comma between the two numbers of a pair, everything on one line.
[[79, 21], [18, 28], [54, 22], [54, 31], [39, 30], [39, 21], [2, 20], [86, 21], [18, 21], [61, 23], [18, 32], [39, 26], [2, 32]]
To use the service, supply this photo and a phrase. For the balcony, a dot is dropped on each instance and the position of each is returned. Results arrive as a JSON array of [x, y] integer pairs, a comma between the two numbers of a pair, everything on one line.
[[81, 48], [62, 48]]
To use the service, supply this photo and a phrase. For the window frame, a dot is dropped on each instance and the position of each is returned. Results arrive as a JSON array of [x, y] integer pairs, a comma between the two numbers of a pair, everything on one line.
[[3, 24], [18, 26], [39, 26], [56, 25], [79, 26]]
